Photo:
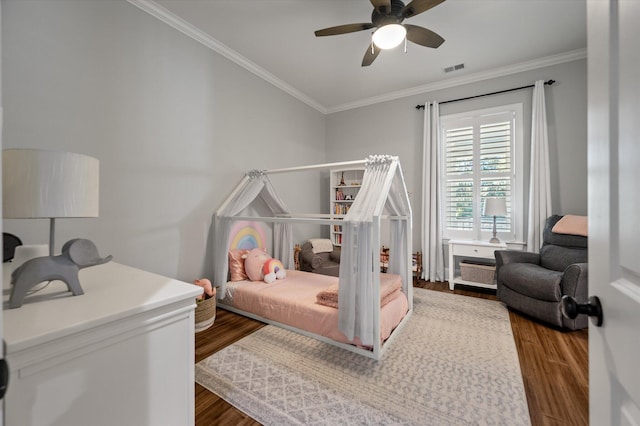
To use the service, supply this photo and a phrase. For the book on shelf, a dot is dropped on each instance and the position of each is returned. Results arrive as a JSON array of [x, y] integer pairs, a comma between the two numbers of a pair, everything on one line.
[[341, 209]]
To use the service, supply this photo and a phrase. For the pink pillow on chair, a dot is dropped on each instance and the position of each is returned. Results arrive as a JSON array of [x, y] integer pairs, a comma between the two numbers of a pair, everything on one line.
[[572, 225], [236, 264]]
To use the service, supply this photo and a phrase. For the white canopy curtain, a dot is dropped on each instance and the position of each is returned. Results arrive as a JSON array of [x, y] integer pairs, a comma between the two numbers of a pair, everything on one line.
[[400, 230], [255, 184], [432, 219], [539, 182], [358, 266]]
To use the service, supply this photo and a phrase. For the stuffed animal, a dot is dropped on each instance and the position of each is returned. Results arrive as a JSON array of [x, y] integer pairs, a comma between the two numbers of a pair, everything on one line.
[[262, 267], [273, 270], [209, 290]]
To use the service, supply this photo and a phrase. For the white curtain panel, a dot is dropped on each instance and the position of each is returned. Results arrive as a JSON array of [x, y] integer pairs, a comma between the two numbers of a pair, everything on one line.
[[539, 182], [432, 219], [255, 184], [359, 268]]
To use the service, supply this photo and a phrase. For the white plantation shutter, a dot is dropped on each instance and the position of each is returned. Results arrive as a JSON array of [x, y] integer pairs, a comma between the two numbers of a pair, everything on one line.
[[495, 169], [459, 178], [479, 159]]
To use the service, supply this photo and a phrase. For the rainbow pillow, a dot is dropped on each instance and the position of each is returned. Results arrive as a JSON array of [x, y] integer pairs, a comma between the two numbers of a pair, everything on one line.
[[273, 269]]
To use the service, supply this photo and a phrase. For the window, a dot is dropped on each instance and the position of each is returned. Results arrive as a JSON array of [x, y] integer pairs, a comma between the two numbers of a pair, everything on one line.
[[482, 158]]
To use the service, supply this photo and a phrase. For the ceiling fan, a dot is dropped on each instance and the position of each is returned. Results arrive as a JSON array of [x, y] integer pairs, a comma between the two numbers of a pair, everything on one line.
[[386, 18]]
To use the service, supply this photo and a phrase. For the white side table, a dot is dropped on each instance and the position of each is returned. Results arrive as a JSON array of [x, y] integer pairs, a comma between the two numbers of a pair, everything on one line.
[[121, 354], [470, 249]]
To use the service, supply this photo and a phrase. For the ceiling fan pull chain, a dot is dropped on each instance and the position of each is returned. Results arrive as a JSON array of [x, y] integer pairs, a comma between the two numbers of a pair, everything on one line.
[[372, 51], [405, 43]]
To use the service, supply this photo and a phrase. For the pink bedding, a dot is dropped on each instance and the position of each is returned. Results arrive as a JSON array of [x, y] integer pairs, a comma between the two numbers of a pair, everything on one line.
[[390, 285], [292, 301]]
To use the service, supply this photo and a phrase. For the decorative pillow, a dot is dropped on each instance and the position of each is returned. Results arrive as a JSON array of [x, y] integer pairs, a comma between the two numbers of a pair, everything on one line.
[[236, 264], [572, 225], [273, 270], [253, 262]]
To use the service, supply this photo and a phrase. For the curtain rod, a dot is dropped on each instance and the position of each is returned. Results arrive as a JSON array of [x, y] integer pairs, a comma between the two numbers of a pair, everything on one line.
[[548, 82]]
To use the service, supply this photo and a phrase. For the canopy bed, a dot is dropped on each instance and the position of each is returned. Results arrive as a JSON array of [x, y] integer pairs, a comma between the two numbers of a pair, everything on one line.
[[370, 305]]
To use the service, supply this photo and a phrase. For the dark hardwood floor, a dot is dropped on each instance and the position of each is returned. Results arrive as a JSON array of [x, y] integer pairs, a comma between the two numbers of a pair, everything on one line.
[[554, 367]]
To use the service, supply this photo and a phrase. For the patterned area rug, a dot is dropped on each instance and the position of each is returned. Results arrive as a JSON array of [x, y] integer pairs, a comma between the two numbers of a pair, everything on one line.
[[453, 363]]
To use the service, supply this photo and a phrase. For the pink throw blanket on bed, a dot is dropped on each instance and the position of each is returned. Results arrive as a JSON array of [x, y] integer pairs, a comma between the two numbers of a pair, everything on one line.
[[390, 288]]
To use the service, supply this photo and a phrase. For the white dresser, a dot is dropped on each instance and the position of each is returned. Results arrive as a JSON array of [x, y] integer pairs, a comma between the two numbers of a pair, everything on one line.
[[121, 354]]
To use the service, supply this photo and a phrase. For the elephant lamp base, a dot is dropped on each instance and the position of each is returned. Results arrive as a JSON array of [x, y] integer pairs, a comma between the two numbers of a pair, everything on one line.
[[23, 285], [76, 254]]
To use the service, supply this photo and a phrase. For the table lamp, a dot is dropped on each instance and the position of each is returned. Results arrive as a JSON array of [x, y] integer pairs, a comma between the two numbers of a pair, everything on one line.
[[494, 207], [40, 184], [49, 184]]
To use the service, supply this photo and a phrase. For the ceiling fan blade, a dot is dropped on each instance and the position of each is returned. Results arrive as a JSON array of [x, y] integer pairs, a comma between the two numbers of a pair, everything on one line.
[[369, 56], [423, 36], [419, 6], [343, 29], [382, 6]]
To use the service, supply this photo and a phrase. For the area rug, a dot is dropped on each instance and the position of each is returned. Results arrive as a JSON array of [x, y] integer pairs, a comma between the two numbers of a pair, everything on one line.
[[453, 363]]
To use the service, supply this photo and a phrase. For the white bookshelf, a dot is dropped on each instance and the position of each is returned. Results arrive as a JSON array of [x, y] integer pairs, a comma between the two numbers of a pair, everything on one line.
[[343, 188]]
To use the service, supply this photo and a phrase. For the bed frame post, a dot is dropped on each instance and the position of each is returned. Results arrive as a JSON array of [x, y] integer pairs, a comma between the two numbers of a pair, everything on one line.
[[375, 255], [409, 284]]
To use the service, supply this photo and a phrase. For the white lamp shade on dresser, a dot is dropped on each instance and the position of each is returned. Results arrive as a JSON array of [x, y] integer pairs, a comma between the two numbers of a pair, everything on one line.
[[49, 184], [495, 207]]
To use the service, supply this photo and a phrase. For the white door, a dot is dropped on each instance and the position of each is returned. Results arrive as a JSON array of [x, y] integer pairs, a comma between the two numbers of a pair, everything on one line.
[[614, 209], [1, 283]]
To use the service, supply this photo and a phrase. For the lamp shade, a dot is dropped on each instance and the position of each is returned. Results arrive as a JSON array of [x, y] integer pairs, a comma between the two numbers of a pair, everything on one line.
[[49, 184], [389, 36], [495, 207]]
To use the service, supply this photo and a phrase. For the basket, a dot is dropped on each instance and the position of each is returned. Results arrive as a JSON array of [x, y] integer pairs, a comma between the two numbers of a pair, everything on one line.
[[477, 272], [205, 314]]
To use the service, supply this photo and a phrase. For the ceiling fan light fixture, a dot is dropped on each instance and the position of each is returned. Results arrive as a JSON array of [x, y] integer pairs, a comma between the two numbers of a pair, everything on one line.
[[389, 36]]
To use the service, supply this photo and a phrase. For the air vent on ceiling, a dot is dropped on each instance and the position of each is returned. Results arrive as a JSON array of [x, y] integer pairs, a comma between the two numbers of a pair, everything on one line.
[[454, 68]]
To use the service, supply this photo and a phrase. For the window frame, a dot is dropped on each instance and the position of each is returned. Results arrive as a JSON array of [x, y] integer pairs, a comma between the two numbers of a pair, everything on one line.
[[465, 119]]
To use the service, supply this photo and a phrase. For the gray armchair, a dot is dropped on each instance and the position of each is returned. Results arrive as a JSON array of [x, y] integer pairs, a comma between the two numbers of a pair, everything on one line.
[[534, 283], [327, 263]]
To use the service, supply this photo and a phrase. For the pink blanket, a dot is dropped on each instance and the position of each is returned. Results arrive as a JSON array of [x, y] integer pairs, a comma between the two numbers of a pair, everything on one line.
[[292, 302], [389, 289]]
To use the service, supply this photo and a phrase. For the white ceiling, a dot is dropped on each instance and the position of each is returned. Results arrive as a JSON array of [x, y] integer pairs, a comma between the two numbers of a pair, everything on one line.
[[275, 39]]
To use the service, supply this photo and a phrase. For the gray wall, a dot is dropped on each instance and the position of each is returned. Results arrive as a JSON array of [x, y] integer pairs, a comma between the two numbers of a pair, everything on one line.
[[174, 125], [395, 127]]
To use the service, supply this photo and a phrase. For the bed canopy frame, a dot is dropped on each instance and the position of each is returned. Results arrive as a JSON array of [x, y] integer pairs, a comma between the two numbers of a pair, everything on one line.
[[383, 195]]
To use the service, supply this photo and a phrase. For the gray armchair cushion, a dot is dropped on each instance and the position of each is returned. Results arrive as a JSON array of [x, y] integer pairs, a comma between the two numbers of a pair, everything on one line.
[[311, 258], [335, 254], [532, 281], [319, 263], [574, 282], [513, 256], [558, 257]]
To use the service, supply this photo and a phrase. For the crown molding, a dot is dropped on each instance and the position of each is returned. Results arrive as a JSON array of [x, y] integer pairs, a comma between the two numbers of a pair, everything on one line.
[[546, 61], [169, 18]]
